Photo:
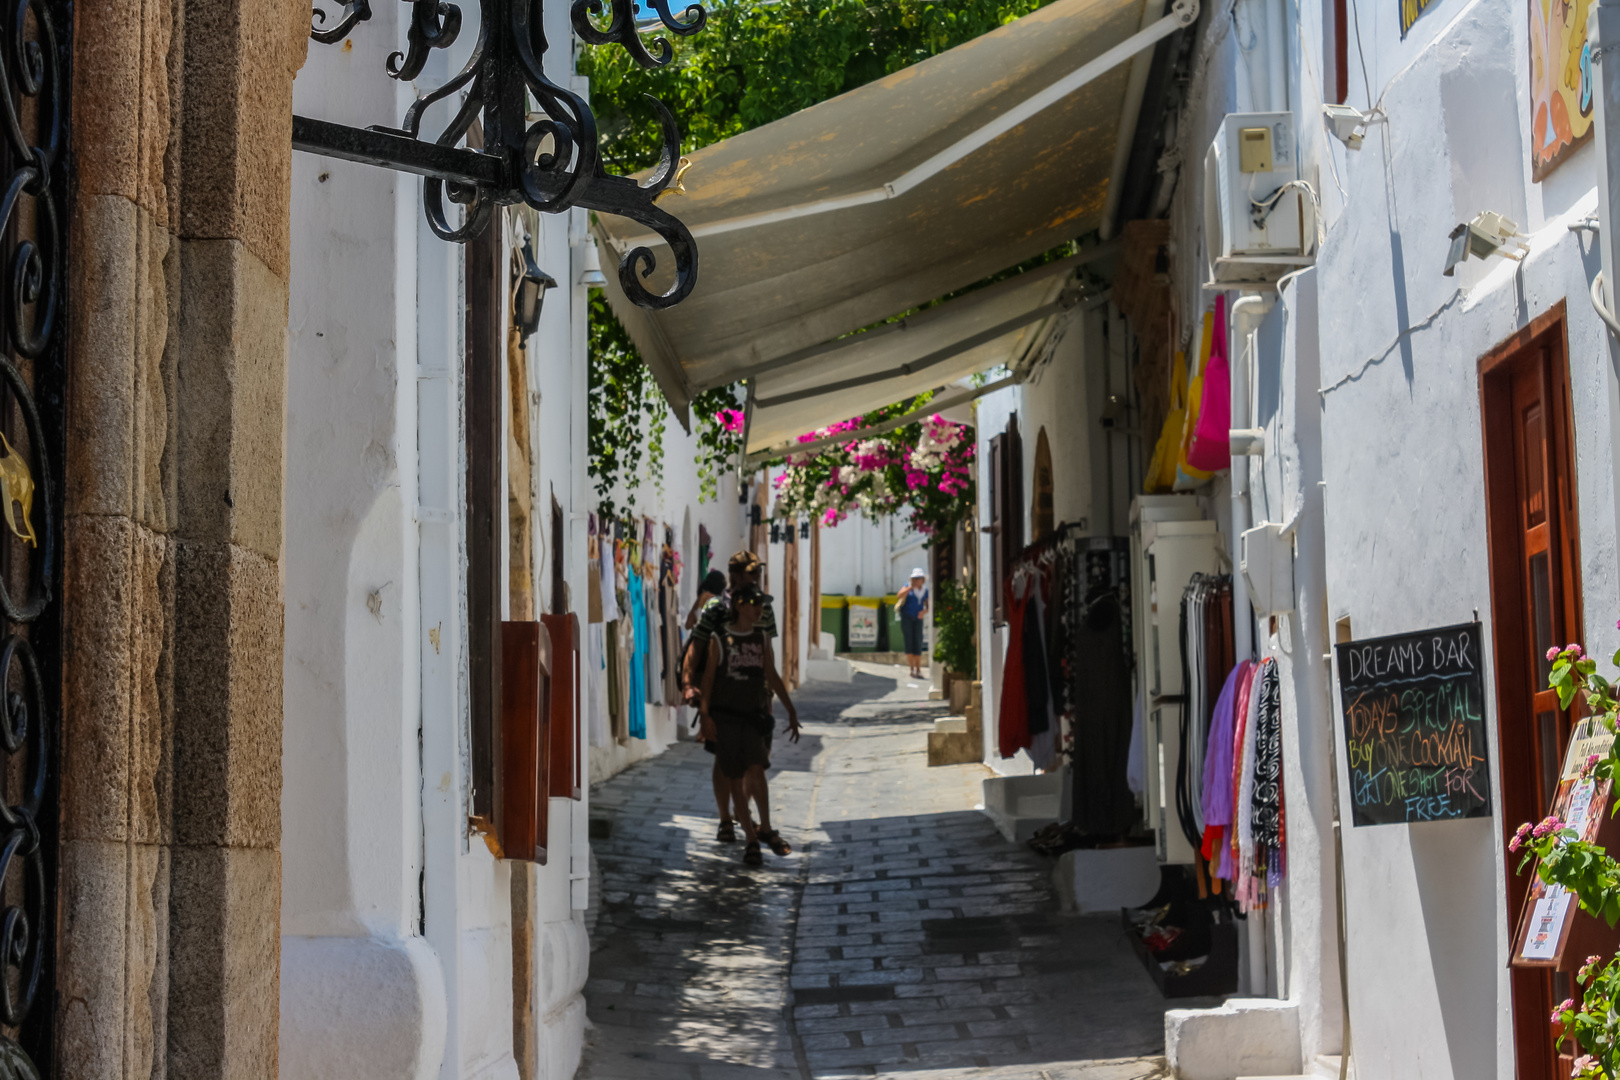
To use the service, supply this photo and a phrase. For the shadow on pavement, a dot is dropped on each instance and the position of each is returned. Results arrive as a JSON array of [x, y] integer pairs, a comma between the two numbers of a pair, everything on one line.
[[904, 937]]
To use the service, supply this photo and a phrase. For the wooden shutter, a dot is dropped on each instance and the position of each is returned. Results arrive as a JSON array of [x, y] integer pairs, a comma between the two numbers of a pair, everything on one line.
[[484, 373], [998, 483], [562, 768], [1013, 513], [525, 662]]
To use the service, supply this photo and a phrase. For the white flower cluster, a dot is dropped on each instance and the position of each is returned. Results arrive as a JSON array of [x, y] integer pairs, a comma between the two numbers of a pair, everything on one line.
[[937, 439]]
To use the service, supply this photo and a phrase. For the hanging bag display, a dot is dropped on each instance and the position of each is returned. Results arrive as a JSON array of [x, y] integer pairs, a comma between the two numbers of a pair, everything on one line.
[[1189, 476], [1211, 449], [1161, 473]]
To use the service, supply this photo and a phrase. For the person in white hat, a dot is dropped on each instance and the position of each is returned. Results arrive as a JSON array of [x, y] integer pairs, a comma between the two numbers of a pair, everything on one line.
[[912, 604]]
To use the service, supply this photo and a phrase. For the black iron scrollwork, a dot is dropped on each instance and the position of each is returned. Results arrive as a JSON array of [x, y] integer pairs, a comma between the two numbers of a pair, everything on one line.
[[33, 121], [622, 28], [354, 12], [547, 160]]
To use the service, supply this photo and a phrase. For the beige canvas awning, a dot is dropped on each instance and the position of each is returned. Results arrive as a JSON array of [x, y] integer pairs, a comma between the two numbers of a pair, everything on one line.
[[886, 198], [988, 328]]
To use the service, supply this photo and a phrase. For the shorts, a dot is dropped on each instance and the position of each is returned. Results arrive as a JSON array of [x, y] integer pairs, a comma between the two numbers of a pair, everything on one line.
[[767, 731], [738, 745], [911, 630]]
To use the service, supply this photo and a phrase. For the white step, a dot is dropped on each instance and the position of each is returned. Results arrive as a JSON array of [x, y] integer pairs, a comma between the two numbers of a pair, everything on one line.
[[1036, 806], [950, 724]]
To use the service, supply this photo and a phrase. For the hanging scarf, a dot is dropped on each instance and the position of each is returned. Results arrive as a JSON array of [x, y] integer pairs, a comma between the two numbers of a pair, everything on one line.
[[1241, 723], [1268, 793]]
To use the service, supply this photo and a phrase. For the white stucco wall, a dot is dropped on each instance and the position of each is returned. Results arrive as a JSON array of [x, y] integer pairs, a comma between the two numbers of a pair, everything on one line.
[[352, 944], [1380, 351], [1404, 496], [393, 923]]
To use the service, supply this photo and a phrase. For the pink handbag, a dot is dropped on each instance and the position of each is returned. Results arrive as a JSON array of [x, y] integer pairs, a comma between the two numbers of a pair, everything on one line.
[[1211, 448]]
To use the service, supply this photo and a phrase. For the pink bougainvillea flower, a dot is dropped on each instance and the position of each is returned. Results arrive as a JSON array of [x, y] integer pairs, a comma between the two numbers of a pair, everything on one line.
[[1576, 649], [1552, 654], [1569, 1003]]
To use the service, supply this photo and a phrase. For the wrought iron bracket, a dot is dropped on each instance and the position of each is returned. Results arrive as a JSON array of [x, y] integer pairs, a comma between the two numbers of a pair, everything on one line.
[[547, 159]]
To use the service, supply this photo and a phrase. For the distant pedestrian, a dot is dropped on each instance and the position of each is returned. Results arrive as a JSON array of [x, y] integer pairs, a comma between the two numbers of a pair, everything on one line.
[[739, 679], [714, 583], [912, 603]]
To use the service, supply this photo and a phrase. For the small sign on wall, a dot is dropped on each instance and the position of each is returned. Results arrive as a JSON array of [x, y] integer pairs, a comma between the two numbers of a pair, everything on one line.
[[1414, 726], [863, 626]]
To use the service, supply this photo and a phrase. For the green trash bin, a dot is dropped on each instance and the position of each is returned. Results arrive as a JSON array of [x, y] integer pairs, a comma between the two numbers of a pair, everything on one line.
[[864, 624], [834, 614], [891, 624]]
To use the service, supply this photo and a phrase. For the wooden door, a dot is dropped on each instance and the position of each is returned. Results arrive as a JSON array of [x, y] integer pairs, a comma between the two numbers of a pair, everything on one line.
[[790, 608], [1536, 605]]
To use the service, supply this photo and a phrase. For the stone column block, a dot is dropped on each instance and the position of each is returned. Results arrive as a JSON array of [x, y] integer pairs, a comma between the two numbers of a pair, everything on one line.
[[112, 970], [224, 963], [232, 391], [227, 680], [125, 58], [236, 160], [118, 586]]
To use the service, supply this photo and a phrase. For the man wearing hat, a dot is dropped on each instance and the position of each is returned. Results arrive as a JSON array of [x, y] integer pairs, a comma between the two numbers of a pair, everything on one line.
[[742, 570], [912, 604]]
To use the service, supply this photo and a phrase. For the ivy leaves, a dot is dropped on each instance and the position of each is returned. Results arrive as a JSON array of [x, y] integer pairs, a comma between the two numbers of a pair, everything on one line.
[[622, 391]]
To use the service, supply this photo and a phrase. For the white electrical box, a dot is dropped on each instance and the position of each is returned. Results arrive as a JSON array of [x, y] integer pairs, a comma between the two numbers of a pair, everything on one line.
[[1266, 556], [1255, 228]]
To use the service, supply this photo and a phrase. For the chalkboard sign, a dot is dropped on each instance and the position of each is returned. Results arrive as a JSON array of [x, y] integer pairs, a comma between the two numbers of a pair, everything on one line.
[[1414, 726]]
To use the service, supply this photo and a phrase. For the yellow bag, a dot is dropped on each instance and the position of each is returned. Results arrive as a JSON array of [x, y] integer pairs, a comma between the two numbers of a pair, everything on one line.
[[1161, 472], [1187, 477]]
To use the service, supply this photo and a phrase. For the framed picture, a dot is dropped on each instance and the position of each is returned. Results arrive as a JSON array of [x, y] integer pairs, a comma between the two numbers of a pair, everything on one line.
[[1560, 82]]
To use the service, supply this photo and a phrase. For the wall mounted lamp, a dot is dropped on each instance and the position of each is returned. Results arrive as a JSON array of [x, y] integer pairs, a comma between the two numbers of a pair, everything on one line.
[[1349, 124], [530, 293], [590, 271], [1488, 234]]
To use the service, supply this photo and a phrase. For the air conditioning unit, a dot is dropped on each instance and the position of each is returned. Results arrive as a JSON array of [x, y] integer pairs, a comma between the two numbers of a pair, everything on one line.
[[1256, 227]]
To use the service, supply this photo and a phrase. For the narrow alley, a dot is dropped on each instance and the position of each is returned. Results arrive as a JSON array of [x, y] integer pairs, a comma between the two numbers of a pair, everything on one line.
[[903, 937]]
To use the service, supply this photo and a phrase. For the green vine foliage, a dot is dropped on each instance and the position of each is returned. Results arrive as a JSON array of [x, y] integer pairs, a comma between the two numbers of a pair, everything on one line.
[[954, 619], [622, 392], [1586, 870], [756, 61]]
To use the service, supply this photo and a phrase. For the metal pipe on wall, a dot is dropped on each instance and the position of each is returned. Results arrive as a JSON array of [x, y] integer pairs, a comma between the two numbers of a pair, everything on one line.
[[1603, 31], [1247, 307]]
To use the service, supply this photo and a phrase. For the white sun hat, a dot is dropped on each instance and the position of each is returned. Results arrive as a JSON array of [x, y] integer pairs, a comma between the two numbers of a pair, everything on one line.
[[918, 573]]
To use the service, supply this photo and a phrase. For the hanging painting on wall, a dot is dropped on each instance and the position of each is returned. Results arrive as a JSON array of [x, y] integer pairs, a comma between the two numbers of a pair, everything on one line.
[[1411, 9], [1560, 82]]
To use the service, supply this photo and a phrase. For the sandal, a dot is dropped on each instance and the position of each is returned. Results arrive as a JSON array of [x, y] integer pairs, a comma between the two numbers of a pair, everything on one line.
[[751, 854], [727, 833], [779, 847]]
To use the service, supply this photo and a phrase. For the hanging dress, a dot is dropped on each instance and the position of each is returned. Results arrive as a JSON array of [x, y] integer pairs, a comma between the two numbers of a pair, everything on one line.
[[638, 661], [1217, 794], [1013, 715], [1037, 681]]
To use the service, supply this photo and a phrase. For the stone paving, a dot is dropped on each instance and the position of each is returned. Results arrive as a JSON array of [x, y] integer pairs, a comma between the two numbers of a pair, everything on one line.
[[903, 938]]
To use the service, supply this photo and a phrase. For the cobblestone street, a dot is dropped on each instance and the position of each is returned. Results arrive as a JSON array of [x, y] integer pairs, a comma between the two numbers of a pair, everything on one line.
[[904, 937]]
